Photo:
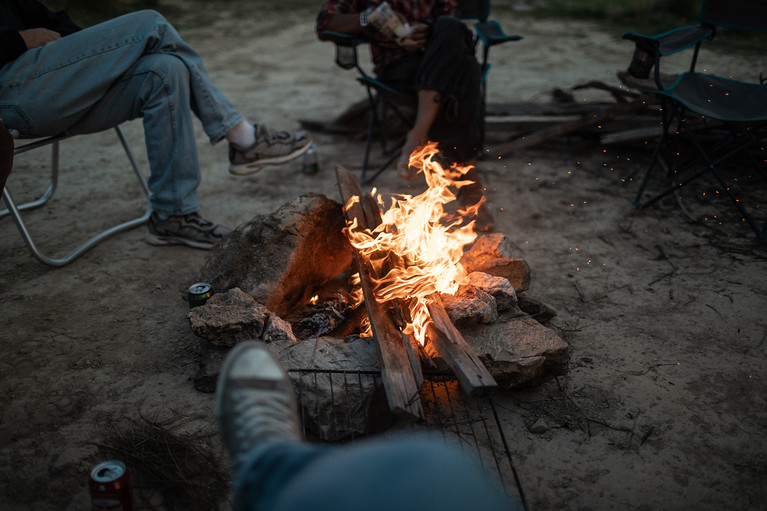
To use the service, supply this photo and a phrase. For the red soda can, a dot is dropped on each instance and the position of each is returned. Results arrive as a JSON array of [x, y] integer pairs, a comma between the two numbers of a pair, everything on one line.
[[111, 487]]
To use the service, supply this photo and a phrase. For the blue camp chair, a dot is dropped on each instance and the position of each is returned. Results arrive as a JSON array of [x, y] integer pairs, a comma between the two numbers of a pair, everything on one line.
[[720, 117], [384, 100]]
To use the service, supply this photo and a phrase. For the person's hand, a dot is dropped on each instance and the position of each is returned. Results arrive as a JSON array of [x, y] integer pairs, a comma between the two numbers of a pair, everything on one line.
[[38, 37], [417, 39]]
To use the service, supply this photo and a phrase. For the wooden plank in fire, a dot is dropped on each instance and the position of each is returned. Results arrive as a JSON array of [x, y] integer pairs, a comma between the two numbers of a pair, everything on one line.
[[400, 368], [455, 351]]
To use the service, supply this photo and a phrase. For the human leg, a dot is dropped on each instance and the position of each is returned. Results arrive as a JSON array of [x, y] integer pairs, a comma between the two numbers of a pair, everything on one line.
[[447, 78], [130, 67], [255, 409], [427, 110], [416, 472], [75, 72]]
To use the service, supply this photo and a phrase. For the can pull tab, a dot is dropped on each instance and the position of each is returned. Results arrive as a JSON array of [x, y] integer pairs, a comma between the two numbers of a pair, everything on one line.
[[198, 294]]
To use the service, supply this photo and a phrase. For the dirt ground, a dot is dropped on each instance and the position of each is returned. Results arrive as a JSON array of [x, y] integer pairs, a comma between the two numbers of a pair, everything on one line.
[[664, 403]]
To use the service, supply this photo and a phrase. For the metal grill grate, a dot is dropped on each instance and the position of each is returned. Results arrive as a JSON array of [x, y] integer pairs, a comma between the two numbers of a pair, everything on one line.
[[357, 407]]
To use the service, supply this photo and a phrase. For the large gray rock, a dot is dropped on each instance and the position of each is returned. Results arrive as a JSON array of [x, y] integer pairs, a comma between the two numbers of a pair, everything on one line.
[[492, 254], [280, 259], [499, 287], [486, 247], [517, 350], [228, 318], [470, 305], [342, 400]]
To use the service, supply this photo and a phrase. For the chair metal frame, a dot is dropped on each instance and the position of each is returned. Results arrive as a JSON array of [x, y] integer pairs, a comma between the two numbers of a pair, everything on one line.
[[384, 100], [681, 118], [14, 210]]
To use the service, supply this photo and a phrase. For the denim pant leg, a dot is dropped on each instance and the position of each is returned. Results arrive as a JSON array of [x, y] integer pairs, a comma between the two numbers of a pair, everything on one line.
[[68, 85], [267, 470], [410, 473], [155, 88]]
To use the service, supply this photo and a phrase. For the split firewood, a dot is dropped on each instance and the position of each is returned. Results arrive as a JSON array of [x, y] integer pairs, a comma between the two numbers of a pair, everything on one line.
[[400, 366], [456, 352], [453, 348]]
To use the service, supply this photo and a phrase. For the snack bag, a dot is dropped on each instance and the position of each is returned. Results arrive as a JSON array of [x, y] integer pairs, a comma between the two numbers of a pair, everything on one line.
[[385, 20]]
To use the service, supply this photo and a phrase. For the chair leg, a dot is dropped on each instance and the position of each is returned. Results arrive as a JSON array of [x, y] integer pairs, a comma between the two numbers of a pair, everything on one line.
[[711, 166], [15, 211], [52, 186], [705, 162], [392, 152], [373, 102]]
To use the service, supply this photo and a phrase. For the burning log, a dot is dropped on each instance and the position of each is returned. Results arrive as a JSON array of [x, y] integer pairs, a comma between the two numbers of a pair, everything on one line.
[[472, 374], [400, 368], [468, 368]]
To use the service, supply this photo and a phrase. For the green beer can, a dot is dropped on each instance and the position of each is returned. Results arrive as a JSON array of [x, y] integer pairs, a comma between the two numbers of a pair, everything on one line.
[[198, 294]]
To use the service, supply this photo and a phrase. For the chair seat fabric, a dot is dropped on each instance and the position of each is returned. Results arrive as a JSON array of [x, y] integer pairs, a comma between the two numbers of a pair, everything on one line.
[[720, 98], [672, 41]]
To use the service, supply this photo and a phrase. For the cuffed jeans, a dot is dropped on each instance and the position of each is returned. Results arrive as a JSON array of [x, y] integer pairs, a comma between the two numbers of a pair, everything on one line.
[[416, 473], [133, 66]]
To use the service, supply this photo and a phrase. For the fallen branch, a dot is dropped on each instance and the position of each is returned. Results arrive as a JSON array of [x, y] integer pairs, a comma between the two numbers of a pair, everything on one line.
[[565, 128]]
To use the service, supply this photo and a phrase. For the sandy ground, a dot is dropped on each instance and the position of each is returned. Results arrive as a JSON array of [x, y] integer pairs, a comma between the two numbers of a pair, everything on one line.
[[664, 403]]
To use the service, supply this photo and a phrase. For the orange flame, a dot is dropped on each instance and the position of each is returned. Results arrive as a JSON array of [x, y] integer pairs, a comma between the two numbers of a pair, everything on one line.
[[415, 250]]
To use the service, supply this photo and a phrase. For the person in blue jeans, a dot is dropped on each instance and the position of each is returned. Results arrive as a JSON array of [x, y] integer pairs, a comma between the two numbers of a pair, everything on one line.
[[56, 77], [275, 470]]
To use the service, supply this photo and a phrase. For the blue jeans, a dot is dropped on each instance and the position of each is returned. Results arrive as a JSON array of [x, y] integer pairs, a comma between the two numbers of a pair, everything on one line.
[[409, 473], [133, 66]]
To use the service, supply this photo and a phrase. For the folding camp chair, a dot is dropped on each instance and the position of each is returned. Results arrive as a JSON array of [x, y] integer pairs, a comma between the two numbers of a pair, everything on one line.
[[698, 106], [15, 210], [384, 100]]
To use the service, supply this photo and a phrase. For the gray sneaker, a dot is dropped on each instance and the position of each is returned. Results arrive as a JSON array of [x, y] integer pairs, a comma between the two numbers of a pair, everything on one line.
[[191, 230], [271, 147], [255, 402]]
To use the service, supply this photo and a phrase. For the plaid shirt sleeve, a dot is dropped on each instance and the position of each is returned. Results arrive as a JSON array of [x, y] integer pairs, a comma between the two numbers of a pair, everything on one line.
[[383, 50], [331, 7]]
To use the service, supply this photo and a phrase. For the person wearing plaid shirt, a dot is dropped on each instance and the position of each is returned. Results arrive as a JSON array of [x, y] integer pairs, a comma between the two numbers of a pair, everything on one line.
[[437, 63]]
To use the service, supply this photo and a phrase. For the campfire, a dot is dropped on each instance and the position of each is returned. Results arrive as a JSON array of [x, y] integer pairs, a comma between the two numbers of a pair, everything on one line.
[[416, 246], [407, 256], [392, 284]]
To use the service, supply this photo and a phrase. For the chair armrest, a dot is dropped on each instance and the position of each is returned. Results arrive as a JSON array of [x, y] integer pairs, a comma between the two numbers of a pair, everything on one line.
[[341, 39], [491, 33], [672, 41], [346, 49]]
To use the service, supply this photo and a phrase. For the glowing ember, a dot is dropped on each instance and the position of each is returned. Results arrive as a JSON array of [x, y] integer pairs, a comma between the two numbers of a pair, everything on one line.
[[366, 329], [416, 248]]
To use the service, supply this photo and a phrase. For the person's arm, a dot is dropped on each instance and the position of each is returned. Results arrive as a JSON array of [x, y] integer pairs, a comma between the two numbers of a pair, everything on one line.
[[29, 24], [345, 24], [342, 16]]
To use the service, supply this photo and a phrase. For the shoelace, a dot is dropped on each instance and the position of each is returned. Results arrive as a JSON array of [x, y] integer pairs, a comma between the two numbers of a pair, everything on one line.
[[255, 420], [197, 219], [273, 135]]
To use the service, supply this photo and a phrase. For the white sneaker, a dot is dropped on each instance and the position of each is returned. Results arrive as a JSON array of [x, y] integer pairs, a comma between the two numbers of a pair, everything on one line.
[[255, 402]]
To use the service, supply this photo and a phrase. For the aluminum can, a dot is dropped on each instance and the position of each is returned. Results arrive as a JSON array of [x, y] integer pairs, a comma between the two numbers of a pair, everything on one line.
[[309, 160], [198, 294], [111, 487]]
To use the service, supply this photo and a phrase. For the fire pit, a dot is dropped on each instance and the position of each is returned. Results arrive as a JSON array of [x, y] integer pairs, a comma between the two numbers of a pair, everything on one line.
[[373, 332]]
